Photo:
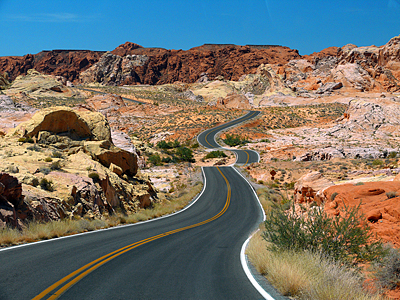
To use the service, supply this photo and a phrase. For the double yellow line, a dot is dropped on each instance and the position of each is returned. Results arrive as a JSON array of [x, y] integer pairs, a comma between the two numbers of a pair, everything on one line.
[[65, 283]]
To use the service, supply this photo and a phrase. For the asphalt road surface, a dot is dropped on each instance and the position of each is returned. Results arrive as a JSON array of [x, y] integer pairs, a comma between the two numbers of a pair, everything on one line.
[[243, 157], [193, 254]]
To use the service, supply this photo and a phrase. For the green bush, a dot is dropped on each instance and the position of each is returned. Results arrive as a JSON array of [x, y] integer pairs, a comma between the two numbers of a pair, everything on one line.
[[56, 165], [185, 154], [155, 159], [94, 176], [234, 140], [26, 140], [168, 145], [344, 238], [215, 154], [377, 162], [48, 159], [167, 160], [46, 184]]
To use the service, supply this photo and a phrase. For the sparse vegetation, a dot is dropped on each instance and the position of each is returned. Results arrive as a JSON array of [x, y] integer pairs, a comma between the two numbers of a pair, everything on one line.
[[94, 176], [346, 239], [387, 271], [391, 194], [155, 160], [46, 184], [215, 154], [234, 140]]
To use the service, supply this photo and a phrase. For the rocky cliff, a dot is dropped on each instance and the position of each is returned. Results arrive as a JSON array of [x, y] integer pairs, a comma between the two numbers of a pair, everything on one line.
[[66, 63]]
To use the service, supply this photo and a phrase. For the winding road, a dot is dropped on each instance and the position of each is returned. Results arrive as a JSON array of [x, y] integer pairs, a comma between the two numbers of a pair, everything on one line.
[[192, 254]]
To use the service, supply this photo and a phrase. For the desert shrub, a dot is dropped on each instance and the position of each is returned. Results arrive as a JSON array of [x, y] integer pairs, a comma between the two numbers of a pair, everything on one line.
[[34, 148], [48, 159], [167, 159], [234, 140], [185, 154], [46, 184], [345, 238], [26, 140], [215, 154], [35, 182], [168, 145], [94, 176], [57, 154], [195, 146], [56, 165], [377, 162], [333, 196], [392, 154], [44, 170], [391, 194], [387, 271], [155, 159], [265, 141], [359, 183]]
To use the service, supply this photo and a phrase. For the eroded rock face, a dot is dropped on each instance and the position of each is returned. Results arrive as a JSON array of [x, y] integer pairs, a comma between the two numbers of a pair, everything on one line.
[[236, 101], [108, 154], [66, 63], [307, 187], [130, 63], [383, 213], [83, 125]]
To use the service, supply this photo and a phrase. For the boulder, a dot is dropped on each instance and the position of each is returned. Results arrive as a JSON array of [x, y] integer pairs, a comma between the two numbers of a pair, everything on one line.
[[374, 215], [236, 101], [77, 125], [117, 170], [106, 153], [307, 187], [353, 75]]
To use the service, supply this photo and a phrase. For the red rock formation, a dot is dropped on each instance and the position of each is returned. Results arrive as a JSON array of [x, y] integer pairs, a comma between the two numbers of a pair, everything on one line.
[[125, 49], [67, 63]]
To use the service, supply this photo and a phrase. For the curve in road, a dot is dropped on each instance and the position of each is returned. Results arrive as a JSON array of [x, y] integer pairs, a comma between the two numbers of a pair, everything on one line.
[[243, 157], [193, 254]]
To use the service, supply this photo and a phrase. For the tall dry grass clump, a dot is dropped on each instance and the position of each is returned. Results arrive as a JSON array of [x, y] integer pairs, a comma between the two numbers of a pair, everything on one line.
[[36, 231], [306, 275]]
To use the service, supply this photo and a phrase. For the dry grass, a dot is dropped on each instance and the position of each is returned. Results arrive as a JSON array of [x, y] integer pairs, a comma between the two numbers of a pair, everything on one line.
[[36, 231], [306, 275]]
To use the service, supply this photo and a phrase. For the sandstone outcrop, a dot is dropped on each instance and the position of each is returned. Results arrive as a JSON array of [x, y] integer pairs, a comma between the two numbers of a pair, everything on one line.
[[235, 101], [36, 84], [4, 81], [382, 212], [64, 127], [106, 153], [159, 66], [66, 63], [309, 187], [57, 120]]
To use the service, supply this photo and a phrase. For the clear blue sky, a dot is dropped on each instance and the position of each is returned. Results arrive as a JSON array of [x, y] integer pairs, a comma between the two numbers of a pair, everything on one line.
[[28, 26]]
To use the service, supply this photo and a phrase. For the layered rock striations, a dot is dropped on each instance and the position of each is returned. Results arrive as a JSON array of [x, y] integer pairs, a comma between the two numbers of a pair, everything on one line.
[[66, 63]]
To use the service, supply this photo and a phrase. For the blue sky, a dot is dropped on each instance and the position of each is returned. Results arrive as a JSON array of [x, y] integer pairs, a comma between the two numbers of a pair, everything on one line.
[[28, 26]]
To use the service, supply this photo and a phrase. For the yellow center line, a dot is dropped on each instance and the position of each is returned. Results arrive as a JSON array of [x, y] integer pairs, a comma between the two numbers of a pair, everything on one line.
[[90, 267], [223, 127], [248, 157]]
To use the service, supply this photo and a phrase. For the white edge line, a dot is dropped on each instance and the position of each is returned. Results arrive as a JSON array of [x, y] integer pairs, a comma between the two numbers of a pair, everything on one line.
[[243, 259], [118, 226], [246, 270], [232, 150]]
